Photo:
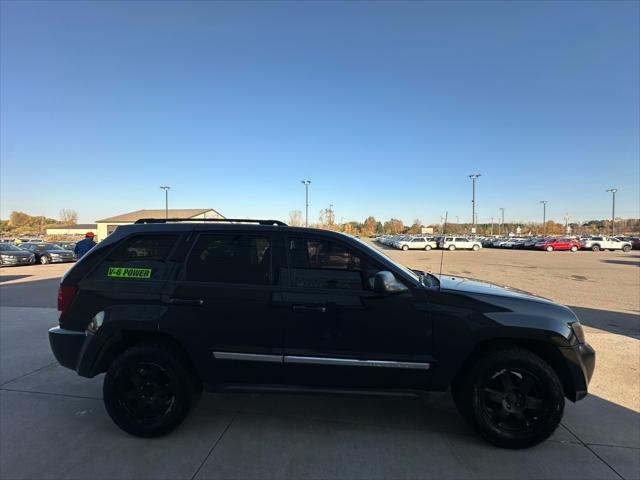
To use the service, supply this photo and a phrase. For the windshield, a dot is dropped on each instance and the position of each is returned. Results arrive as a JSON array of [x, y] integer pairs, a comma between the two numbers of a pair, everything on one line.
[[49, 246], [374, 251], [7, 247]]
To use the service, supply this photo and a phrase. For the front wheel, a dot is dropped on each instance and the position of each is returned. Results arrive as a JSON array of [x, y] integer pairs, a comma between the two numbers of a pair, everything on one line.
[[512, 397], [452, 247], [574, 248], [549, 248], [44, 260], [475, 248], [626, 248], [427, 248], [596, 248], [405, 247], [148, 391]]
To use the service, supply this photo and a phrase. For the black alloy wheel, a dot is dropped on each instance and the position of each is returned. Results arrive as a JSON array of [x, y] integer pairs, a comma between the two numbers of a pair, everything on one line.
[[512, 397], [513, 400], [148, 391]]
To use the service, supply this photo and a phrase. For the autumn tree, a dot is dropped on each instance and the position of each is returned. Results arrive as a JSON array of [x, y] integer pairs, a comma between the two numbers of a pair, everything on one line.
[[369, 226], [295, 218], [68, 216]]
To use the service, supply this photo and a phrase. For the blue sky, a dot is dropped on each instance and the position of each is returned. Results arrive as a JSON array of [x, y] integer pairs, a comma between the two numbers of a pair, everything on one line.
[[386, 107]]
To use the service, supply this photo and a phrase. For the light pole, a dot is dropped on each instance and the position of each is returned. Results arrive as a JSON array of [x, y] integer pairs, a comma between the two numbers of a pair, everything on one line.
[[306, 201], [473, 177], [613, 209], [544, 217], [166, 189], [501, 221]]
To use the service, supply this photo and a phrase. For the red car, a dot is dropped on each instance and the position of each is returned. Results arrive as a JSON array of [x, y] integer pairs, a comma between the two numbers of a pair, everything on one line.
[[551, 244]]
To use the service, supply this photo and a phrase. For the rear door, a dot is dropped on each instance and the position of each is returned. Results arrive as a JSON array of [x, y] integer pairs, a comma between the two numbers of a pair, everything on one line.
[[221, 307]]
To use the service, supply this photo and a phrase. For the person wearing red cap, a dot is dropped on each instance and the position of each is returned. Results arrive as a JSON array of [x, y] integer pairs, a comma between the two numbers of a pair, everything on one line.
[[83, 246]]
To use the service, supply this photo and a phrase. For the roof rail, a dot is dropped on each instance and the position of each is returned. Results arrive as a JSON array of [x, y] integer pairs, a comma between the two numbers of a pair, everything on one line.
[[228, 220]]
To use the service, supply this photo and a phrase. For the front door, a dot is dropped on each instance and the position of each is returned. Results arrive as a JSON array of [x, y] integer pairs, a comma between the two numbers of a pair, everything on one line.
[[339, 333], [221, 308]]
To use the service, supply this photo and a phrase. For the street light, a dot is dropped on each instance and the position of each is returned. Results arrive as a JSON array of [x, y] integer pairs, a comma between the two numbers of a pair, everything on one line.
[[166, 189], [501, 221], [613, 208], [473, 177], [544, 217], [306, 199]]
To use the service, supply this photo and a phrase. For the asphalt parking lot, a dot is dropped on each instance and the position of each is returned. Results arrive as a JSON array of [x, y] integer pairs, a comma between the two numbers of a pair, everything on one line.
[[53, 423]]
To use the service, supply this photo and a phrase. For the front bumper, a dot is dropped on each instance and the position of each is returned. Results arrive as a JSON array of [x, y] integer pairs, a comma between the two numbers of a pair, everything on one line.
[[581, 361], [62, 259], [7, 261]]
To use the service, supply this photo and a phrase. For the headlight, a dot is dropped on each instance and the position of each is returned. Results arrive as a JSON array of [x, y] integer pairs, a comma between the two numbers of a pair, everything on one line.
[[578, 331], [96, 322]]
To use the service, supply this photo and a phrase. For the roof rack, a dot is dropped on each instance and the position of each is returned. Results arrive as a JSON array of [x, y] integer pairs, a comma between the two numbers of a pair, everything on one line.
[[228, 220]]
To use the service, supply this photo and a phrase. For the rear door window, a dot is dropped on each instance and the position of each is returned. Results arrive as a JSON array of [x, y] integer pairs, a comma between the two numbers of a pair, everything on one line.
[[230, 258]]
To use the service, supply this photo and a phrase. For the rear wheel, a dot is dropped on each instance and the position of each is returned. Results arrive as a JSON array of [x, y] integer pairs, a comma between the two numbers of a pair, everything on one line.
[[148, 391], [475, 248], [405, 247], [427, 248], [44, 259], [452, 247], [549, 248], [574, 248], [512, 397], [626, 248], [596, 248]]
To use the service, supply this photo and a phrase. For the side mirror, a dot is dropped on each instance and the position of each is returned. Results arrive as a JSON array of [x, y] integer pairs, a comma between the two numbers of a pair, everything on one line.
[[385, 283]]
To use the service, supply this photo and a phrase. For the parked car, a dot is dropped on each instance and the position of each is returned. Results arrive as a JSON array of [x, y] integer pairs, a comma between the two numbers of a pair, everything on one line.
[[49, 253], [164, 308], [635, 243], [12, 255], [551, 244], [605, 243], [455, 243], [416, 243]]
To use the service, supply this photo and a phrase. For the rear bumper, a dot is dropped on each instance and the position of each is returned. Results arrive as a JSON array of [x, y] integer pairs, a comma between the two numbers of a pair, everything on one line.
[[581, 360], [66, 346], [75, 350]]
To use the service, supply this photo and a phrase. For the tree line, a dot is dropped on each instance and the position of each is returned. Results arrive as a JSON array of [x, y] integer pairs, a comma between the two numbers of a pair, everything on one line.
[[23, 223], [372, 226]]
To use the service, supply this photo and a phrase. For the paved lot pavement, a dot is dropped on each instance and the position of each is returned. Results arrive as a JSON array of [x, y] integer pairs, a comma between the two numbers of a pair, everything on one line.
[[53, 423]]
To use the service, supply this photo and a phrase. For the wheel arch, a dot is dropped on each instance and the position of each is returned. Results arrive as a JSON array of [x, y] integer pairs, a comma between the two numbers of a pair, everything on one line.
[[542, 349], [129, 338]]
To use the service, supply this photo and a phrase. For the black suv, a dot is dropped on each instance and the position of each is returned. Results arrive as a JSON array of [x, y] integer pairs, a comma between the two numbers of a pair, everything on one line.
[[165, 307]]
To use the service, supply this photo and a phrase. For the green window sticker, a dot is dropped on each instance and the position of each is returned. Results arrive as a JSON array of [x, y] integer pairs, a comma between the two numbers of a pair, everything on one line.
[[125, 272]]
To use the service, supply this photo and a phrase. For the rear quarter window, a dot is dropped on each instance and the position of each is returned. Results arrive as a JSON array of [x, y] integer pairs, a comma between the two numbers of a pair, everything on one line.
[[141, 257]]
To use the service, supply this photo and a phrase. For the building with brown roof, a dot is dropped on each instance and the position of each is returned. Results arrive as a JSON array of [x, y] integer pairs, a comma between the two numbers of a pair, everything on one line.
[[107, 225]]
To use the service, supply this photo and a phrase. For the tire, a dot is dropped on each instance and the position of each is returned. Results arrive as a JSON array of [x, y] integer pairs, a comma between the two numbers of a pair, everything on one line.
[[475, 248], [427, 248], [511, 397], [595, 248], [405, 248], [626, 248], [549, 248], [452, 247], [573, 248], [44, 260], [148, 391]]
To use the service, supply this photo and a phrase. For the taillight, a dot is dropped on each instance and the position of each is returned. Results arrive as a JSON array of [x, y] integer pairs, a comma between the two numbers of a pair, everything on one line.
[[65, 297]]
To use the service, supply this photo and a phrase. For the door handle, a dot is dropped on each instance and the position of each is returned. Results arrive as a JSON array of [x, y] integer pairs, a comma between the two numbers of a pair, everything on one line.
[[306, 308], [185, 301]]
